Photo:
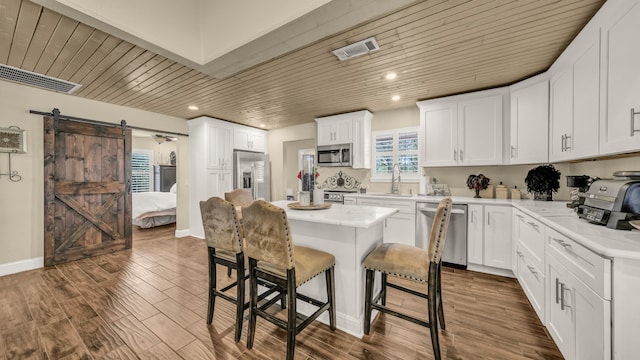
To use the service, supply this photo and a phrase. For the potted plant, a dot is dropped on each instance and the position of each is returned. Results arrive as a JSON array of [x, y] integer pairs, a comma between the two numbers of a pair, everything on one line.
[[542, 181], [477, 183]]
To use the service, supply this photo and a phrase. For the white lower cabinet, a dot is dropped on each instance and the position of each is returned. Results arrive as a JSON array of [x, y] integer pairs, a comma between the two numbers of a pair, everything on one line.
[[489, 236], [219, 182], [528, 242], [578, 299], [401, 227]]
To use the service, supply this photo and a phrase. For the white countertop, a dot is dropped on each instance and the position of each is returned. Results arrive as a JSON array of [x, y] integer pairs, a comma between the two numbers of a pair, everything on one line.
[[555, 214], [339, 214]]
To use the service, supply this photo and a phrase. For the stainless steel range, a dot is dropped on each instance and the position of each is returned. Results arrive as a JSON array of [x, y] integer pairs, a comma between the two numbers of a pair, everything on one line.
[[337, 185], [336, 196]]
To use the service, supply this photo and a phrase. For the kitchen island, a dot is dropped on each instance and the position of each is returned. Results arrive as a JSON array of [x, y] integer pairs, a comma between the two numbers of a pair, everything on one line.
[[348, 232]]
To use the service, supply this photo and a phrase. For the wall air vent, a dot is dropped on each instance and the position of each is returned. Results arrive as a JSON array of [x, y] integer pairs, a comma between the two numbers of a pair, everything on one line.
[[38, 80], [356, 49]]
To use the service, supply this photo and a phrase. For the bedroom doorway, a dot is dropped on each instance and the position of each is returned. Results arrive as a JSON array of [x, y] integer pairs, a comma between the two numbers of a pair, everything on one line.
[[87, 208], [154, 182]]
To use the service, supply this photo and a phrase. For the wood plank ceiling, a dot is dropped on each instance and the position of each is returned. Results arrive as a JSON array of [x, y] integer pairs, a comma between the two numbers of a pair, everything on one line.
[[437, 48]]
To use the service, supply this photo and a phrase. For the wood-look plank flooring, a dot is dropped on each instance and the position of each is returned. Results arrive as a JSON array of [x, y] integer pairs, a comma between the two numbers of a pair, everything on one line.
[[150, 303]]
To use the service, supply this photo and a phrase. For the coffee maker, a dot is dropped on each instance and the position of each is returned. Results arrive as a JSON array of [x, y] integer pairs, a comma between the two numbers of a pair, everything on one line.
[[579, 184]]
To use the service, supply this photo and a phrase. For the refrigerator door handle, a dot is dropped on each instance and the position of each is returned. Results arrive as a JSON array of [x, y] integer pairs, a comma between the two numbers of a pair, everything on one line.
[[254, 183]]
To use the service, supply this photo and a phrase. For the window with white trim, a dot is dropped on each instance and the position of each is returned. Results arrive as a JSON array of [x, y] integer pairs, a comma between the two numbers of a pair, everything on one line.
[[141, 170], [395, 146]]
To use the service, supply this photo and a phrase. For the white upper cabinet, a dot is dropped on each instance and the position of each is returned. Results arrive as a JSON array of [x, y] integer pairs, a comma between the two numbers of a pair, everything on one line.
[[246, 138], [575, 99], [219, 145], [620, 90], [462, 130], [351, 128], [335, 129], [529, 121]]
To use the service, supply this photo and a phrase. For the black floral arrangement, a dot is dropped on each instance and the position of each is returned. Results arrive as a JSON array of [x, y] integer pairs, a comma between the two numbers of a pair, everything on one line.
[[542, 181], [477, 183]]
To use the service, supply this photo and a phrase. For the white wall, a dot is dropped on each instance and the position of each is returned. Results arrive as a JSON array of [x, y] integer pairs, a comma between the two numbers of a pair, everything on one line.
[[22, 203]]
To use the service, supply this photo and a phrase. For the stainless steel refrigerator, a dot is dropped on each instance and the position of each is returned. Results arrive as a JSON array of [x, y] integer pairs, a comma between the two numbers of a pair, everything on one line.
[[251, 171]]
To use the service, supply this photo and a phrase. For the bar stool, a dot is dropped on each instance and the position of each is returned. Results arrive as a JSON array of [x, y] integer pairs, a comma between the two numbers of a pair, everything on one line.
[[274, 258], [239, 198], [415, 264], [224, 242]]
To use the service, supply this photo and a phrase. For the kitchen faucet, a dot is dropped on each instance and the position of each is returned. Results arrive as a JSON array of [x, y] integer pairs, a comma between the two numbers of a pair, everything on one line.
[[395, 187]]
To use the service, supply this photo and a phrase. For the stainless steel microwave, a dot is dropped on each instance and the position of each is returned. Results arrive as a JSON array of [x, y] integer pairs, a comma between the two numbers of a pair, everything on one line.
[[335, 155]]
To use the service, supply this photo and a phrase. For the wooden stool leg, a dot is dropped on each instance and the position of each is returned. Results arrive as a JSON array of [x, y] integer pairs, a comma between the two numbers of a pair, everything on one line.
[[367, 300], [291, 313], [240, 290], [384, 290], [331, 296], [440, 308], [432, 297], [253, 302], [212, 285]]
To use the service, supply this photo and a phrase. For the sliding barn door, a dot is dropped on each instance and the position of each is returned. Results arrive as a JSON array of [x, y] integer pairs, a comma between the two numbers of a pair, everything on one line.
[[87, 171]]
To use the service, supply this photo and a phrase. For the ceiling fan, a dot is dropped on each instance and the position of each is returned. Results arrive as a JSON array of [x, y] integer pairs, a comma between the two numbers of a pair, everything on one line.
[[162, 138]]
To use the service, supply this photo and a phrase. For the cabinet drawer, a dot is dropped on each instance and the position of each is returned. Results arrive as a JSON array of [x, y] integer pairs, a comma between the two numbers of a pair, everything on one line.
[[591, 268], [532, 280], [406, 207], [532, 237]]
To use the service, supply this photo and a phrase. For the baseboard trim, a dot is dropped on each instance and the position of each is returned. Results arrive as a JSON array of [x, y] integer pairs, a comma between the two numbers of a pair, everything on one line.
[[22, 265], [182, 233]]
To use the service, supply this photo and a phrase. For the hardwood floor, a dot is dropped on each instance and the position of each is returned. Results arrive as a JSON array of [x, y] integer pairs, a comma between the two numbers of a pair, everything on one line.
[[150, 303]]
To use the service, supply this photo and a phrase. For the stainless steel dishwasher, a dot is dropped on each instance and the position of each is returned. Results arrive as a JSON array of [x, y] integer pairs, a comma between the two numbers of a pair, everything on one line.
[[455, 246]]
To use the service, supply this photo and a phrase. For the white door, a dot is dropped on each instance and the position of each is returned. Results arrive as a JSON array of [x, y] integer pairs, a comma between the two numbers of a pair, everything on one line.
[[530, 124], [620, 129], [497, 236], [220, 147], [440, 126], [561, 114], [475, 231], [560, 317], [325, 133], [343, 129], [480, 131], [592, 323]]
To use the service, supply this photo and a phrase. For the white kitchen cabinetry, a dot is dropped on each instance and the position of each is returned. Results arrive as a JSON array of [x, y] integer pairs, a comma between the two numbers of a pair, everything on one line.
[[578, 299], [529, 121], [489, 246], [246, 138], [463, 129], [351, 128], [574, 104], [620, 90], [529, 244], [219, 182], [401, 227], [219, 145], [335, 129]]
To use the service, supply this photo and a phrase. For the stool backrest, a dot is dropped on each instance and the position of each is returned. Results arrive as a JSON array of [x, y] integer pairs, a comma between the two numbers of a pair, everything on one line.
[[267, 234], [239, 197], [221, 225], [439, 230]]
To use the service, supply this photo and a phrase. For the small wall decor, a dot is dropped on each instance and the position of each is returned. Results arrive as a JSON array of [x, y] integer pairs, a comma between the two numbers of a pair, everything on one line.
[[13, 140]]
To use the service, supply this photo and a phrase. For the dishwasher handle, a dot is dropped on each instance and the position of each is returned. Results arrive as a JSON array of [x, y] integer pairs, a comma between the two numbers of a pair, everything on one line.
[[433, 210]]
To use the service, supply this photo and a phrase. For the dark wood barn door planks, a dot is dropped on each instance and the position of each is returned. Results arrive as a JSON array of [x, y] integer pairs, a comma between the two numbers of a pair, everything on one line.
[[87, 190]]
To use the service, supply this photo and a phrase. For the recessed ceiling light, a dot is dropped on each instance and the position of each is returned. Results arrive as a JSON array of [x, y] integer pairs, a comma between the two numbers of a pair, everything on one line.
[[395, 97], [193, 107], [261, 125], [391, 76]]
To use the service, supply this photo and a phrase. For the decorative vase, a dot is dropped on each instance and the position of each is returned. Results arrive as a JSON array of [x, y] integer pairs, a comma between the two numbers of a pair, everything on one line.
[[543, 196], [477, 193]]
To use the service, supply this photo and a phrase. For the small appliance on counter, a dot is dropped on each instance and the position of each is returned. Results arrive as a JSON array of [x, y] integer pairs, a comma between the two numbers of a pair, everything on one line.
[[578, 185], [613, 202]]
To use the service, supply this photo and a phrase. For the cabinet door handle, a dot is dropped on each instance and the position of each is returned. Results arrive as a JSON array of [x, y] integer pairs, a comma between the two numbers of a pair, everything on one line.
[[513, 151], [519, 254], [562, 296], [519, 216], [488, 218], [566, 142], [461, 155], [557, 291], [455, 155], [633, 114], [534, 225], [559, 241], [533, 270], [562, 143]]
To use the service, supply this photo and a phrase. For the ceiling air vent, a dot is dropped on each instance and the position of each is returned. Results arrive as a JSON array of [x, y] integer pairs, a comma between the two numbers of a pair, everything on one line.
[[356, 49], [38, 80]]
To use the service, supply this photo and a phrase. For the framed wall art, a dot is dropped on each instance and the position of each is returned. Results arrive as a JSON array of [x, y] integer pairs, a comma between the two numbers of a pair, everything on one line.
[[13, 140]]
